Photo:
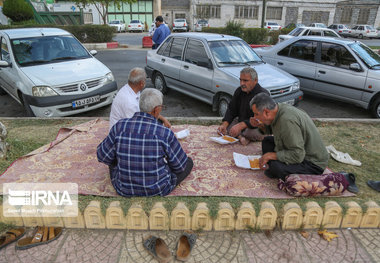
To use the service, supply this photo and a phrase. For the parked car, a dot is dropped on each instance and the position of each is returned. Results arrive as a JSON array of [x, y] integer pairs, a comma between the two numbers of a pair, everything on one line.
[[308, 31], [272, 26], [207, 67], [337, 68], [294, 25], [341, 29], [200, 24], [180, 25], [362, 31], [118, 24], [320, 25], [51, 74], [136, 26]]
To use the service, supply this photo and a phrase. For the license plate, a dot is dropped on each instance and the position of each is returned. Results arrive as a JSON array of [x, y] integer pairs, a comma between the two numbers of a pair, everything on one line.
[[290, 102], [86, 101]]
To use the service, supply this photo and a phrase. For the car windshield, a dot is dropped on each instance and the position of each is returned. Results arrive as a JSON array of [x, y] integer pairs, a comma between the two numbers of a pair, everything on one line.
[[115, 22], [43, 50], [295, 32], [272, 24], [202, 22], [370, 58], [235, 52]]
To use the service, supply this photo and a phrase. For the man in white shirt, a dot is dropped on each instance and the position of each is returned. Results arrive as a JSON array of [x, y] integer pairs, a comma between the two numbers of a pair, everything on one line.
[[126, 102]]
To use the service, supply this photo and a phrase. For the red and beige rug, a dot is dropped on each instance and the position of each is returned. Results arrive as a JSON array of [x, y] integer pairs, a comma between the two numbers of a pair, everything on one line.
[[71, 157]]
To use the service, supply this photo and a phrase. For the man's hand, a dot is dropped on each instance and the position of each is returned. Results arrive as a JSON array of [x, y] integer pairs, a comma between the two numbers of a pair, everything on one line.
[[165, 122], [256, 122], [265, 159], [237, 128], [222, 129]]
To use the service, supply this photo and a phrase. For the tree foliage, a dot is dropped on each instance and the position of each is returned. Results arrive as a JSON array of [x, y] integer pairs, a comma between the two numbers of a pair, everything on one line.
[[17, 10], [102, 5]]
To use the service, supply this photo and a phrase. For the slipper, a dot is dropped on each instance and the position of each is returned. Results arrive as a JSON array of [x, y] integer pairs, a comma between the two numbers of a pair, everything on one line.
[[184, 246], [42, 235], [375, 185], [158, 249], [352, 187], [11, 236], [342, 157]]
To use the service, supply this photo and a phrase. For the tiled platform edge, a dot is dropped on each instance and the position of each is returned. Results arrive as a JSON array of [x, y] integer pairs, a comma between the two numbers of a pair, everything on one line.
[[289, 217]]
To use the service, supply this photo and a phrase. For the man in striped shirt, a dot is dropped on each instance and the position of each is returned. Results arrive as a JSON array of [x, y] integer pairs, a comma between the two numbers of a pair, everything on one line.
[[144, 157]]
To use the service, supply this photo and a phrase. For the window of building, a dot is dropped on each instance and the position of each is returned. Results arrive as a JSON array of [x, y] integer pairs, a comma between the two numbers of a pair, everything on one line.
[[274, 13], [363, 16], [346, 15], [208, 11], [247, 12], [180, 15]]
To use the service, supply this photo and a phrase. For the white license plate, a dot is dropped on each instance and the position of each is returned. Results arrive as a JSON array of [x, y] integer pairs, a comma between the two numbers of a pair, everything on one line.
[[290, 102], [86, 101]]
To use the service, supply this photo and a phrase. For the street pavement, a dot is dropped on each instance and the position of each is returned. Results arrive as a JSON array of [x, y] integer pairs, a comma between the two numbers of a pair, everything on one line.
[[82, 245]]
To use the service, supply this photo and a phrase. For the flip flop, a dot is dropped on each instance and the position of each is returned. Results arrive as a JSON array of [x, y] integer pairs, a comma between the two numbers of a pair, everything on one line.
[[11, 236], [375, 185], [42, 235], [342, 157], [184, 246], [158, 249]]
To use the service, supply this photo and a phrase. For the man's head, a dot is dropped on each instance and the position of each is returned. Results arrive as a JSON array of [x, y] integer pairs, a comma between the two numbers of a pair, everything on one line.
[[137, 79], [264, 108], [248, 79], [159, 20], [151, 101]]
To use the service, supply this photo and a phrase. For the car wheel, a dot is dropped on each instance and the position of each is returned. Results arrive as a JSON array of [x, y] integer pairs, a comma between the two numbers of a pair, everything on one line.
[[360, 36], [224, 100], [159, 83], [376, 108], [27, 107]]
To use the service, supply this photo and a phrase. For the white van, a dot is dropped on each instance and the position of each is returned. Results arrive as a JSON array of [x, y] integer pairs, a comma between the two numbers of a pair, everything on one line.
[[52, 74]]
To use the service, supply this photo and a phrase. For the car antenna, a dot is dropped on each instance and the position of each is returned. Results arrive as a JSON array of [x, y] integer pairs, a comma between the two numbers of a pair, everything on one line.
[[41, 32]]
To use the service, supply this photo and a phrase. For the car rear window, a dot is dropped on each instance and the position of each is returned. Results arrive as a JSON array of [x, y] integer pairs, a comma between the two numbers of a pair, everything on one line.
[[135, 21], [179, 20]]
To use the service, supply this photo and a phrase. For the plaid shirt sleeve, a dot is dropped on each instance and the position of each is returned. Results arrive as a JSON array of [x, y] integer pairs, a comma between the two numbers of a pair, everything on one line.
[[106, 150], [177, 158]]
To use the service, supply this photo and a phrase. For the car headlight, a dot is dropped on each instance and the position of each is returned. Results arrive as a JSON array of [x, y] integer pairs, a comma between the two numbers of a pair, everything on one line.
[[108, 78], [296, 86], [43, 91]]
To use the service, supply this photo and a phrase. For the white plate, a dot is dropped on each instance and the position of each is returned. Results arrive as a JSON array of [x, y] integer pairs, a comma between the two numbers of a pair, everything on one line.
[[182, 134], [242, 160], [220, 140]]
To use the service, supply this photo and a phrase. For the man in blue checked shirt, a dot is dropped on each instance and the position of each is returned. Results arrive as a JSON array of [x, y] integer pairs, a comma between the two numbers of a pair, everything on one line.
[[144, 157]]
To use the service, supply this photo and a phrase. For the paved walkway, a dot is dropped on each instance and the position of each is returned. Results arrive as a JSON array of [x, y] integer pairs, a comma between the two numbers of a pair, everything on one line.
[[356, 245]]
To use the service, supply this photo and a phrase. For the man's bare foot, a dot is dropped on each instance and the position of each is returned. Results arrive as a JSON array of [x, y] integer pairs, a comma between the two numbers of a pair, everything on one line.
[[244, 141]]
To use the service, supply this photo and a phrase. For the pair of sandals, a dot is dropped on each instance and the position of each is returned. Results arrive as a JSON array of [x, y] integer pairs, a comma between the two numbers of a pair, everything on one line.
[[160, 251], [41, 235]]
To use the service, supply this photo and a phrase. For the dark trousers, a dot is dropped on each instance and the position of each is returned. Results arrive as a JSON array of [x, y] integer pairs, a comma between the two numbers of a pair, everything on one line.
[[280, 170], [184, 174]]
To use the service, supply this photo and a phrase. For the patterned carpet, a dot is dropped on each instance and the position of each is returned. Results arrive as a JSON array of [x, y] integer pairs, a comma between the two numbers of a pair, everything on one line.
[[72, 158]]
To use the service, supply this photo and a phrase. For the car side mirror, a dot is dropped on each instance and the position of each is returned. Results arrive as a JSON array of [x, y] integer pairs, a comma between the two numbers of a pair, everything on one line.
[[4, 64], [355, 67], [93, 52]]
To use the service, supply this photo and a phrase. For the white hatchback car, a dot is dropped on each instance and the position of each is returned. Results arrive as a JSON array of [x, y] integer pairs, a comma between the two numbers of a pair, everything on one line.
[[272, 26], [308, 31], [51, 74], [136, 26], [362, 31]]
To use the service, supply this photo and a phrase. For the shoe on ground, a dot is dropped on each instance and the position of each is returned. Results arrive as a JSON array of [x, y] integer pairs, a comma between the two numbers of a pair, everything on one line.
[[158, 249], [375, 185], [41, 236], [185, 244], [352, 187], [11, 236]]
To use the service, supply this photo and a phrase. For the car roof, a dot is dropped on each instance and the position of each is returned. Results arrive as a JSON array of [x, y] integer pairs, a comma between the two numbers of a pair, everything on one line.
[[315, 28], [34, 32], [207, 36], [330, 39]]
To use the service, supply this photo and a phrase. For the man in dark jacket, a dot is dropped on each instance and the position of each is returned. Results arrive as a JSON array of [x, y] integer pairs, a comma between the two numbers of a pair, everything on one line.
[[236, 120]]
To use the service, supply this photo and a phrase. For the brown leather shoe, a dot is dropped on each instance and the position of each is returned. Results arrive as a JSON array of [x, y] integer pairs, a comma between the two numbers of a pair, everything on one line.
[[184, 246], [158, 249]]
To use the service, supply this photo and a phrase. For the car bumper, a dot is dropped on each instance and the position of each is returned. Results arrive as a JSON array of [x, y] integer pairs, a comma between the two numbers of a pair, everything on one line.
[[135, 29], [291, 98], [182, 28], [59, 106]]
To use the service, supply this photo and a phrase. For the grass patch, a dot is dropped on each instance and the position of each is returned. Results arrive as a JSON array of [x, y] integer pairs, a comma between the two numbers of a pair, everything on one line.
[[360, 140]]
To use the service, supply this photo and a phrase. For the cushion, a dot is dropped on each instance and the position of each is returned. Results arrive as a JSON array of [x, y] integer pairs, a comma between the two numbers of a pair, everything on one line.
[[314, 185]]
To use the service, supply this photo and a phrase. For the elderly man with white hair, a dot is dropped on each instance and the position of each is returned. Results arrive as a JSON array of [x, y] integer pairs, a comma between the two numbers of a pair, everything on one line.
[[144, 157]]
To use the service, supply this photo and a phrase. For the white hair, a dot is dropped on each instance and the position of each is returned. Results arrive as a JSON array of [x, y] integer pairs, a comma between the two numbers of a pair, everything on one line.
[[149, 99], [136, 75]]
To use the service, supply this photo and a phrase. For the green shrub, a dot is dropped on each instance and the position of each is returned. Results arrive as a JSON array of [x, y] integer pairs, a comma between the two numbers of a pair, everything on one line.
[[234, 28], [255, 35], [17, 10]]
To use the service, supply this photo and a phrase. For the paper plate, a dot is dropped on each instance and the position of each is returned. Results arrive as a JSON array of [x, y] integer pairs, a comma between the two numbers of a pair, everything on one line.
[[182, 134], [220, 139], [242, 160]]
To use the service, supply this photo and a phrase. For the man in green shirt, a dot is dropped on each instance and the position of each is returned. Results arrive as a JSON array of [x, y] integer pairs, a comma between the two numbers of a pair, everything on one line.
[[296, 146]]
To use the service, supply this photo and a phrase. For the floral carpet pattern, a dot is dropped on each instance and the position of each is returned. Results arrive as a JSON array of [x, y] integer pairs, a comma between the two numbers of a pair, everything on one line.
[[71, 158]]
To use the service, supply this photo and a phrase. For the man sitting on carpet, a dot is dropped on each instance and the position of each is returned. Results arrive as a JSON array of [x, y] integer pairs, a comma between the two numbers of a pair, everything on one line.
[[236, 120], [296, 146], [144, 157], [126, 102]]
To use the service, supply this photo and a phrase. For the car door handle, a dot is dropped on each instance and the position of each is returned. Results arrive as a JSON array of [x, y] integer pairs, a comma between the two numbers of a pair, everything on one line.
[[186, 67], [322, 72], [280, 63], [163, 60]]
